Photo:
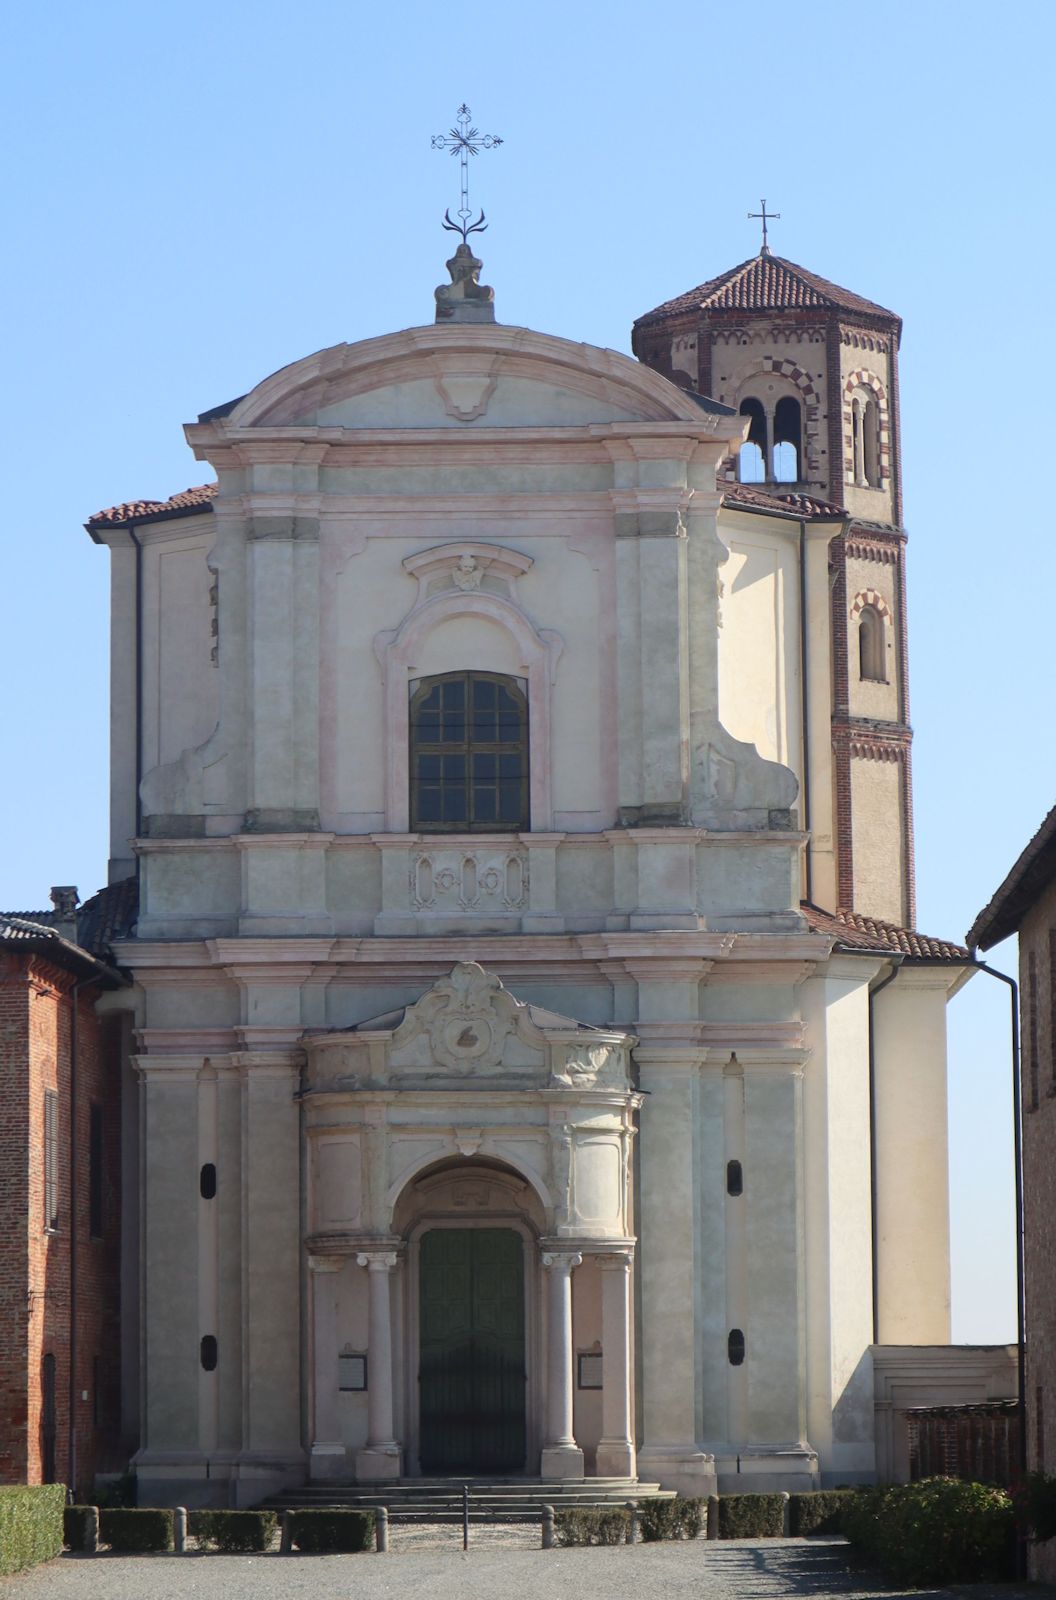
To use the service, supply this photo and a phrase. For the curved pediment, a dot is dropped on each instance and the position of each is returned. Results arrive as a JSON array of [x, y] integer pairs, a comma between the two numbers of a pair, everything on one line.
[[469, 1028], [457, 377]]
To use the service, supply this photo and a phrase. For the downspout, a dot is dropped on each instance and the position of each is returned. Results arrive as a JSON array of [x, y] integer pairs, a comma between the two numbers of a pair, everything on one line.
[[71, 1481], [1017, 1138], [896, 967], [804, 657], [139, 678]]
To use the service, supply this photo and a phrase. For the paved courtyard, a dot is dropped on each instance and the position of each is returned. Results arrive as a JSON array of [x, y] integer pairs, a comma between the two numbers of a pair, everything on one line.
[[498, 1567]]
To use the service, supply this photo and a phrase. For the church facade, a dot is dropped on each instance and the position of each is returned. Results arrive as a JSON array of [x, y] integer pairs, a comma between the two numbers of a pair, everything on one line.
[[536, 1070]]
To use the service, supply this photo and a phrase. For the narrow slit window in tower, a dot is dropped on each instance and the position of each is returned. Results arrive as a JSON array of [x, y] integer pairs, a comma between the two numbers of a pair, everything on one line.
[[856, 434], [871, 645], [751, 459], [871, 443], [788, 440]]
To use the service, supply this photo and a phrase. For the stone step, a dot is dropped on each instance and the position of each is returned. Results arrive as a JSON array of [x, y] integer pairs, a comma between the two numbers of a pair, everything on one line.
[[440, 1500]]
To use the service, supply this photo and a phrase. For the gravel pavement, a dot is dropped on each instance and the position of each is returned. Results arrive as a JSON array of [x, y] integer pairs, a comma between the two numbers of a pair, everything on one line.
[[493, 1569]]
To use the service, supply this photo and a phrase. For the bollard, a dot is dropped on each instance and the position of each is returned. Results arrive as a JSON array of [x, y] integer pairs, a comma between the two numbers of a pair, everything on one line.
[[786, 1513], [179, 1530], [713, 1516], [548, 1527], [632, 1526], [465, 1516], [381, 1530], [91, 1531], [285, 1535]]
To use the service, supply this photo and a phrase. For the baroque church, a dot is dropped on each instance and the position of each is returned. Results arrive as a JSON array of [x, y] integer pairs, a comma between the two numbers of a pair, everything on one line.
[[530, 1064]]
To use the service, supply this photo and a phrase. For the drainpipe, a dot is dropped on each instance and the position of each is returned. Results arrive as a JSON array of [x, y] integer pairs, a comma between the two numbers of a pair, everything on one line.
[[71, 1477], [896, 967], [804, 658], [1017, 1137], [139, 678]]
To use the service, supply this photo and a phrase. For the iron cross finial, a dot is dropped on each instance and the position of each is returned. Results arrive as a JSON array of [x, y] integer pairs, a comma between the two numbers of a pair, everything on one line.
[[464, 141], [764, 216]]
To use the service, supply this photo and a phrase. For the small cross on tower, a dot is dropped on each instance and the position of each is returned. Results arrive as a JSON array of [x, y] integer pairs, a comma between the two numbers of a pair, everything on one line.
[[764, 216], [464, 141]]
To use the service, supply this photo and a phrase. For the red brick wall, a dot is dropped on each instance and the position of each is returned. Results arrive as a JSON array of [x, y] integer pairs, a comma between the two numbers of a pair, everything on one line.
[[36, 1001]]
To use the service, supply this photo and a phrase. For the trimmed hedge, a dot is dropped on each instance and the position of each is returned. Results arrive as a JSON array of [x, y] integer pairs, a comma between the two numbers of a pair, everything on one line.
[[751, 1516], [591, 1525], [315, 1532], [939, 1530], [124, 1529], [231, 1531], [670, 1519], [30, 1524], [817, 1512], [80, 1527]]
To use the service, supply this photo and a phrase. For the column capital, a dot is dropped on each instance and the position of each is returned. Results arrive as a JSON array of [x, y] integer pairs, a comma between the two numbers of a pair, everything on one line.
[[615, 1260], [562, 1260], [378, 1260]]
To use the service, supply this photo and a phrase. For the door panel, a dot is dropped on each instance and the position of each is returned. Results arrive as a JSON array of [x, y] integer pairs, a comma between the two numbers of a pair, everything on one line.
[[472, 1368]]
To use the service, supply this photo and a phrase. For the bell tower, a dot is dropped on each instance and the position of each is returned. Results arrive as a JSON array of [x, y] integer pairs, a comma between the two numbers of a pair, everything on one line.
[[813, 369]]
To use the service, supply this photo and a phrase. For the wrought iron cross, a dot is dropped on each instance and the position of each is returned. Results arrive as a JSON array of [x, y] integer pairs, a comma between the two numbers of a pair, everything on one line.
[[764, 216], [464, 141]]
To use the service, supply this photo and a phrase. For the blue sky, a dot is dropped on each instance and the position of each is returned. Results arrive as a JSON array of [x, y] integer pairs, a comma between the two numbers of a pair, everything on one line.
[[197, 194]]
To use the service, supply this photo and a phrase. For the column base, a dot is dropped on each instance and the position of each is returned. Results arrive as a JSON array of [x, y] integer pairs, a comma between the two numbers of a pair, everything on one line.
[[561, 1461], [616, 1459], [379, 1461], [690, 1472], [327, 1463]]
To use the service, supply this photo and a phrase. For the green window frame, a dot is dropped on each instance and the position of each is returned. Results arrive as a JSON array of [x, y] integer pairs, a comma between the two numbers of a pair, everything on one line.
[[469, 754]]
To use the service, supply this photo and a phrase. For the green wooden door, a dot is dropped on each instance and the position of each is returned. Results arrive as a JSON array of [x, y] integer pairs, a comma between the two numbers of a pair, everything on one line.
[[471, 1373]]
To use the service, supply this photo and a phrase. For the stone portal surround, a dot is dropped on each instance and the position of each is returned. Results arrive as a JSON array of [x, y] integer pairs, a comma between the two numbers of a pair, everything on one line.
[[382, 1456]]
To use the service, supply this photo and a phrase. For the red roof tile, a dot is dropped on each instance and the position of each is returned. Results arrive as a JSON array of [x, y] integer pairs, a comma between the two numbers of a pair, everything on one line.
[[765, 283], [857, 932], [183, 504], [747, 497]]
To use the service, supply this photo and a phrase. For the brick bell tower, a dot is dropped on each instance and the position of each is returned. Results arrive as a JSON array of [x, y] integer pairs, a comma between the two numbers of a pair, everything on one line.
[[814, 369]]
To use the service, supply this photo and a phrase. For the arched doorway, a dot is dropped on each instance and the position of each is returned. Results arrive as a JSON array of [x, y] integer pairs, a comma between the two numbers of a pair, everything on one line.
[[471, 1351], [471, 1334]]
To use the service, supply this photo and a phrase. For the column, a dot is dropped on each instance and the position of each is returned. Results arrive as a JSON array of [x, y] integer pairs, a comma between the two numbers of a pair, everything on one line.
[[381, 1458], [616, 1456], [328, 1450], [562, 1457]]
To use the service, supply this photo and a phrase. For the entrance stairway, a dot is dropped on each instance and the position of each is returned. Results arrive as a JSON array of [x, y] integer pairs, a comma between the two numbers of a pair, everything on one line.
[[490, 1499]]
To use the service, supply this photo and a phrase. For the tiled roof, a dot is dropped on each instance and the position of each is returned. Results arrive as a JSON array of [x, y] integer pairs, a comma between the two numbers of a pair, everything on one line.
[[748, 497], [765, 283], [856, 932], [28, 936], [180, 505], [108, 915], [1030, 876]]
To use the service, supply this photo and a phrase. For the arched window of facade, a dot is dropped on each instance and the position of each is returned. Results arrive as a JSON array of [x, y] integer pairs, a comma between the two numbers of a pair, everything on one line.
[[469, 754], [871, 663], [788, 440], [751, 460], [871, 443]]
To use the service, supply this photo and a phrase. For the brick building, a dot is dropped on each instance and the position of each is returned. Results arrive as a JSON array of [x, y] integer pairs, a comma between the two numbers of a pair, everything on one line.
[[60, 1194], [1025, 904]]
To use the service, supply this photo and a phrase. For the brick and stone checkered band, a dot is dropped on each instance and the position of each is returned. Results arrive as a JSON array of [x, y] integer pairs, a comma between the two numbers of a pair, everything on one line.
[[764, 216], [464, 141]]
